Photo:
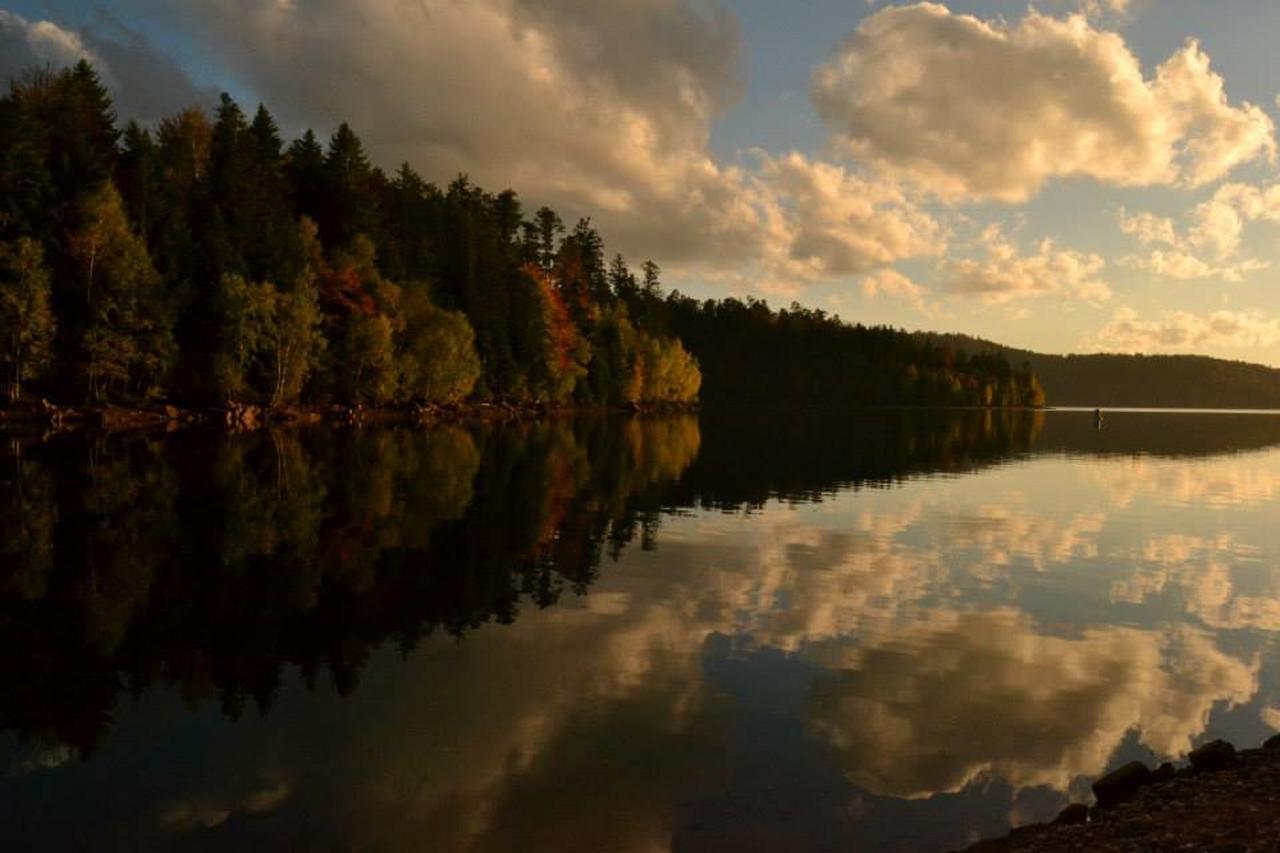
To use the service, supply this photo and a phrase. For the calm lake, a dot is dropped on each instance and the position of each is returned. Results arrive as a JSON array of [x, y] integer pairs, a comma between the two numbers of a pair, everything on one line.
[[734, 631]]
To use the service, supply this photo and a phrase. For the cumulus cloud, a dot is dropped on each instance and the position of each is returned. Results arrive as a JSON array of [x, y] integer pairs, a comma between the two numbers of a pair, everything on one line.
[[890, 282], [145, 83], [1149, 228], [1095, 8], [1185, 266], [1183, 331], [27, 43], [973, 108], [1207, 244], [843, 223], [601, 108], [1004, 273], [1218, 224]]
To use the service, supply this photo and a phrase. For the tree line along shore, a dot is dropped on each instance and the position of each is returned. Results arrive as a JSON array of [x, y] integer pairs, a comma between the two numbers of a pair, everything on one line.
[[206, 264]]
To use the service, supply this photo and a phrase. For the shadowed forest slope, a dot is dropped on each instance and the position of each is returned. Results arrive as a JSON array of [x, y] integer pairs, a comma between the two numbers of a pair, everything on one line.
[[1174, 381]]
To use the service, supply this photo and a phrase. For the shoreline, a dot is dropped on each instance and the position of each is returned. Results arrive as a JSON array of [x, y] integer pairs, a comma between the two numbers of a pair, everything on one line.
[[42, 416], [1224, 799], [30, 416]]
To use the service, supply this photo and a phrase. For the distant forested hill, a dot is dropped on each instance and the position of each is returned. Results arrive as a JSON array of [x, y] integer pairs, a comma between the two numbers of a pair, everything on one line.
[[1191, 381]]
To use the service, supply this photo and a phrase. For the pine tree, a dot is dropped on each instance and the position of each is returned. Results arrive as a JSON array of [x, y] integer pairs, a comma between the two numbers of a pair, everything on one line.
[[349, 207], [304, 169], [27, 194]]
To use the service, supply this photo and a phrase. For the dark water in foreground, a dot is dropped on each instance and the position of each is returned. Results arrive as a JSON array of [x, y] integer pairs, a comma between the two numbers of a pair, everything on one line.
[[818, 632]]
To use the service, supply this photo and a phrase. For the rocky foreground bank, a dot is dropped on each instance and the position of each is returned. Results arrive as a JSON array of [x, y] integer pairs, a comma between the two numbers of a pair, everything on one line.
[[1225, 800]]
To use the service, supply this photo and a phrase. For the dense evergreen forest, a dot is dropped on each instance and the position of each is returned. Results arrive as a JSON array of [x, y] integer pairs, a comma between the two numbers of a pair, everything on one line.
[[205, 260]]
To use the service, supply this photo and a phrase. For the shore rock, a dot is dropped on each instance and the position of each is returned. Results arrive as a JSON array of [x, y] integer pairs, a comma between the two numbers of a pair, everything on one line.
[[1122, 784], [1076, 813], [1235, 808], [1214, 755]]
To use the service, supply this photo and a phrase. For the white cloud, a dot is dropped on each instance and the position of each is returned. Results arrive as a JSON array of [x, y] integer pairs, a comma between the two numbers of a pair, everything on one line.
[[38, 42], [972, 108], [1180, 331], [842, 223], [145, 83], [1004, 274]]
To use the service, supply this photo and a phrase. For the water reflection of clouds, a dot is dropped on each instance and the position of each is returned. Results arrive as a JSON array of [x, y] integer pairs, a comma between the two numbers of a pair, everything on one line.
[[1202, 573], [1218, 482], [924, 690], [962, 695], [1003, 533]]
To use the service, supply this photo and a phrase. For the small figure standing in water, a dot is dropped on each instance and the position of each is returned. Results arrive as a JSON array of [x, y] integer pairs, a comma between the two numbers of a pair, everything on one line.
[[1097, 418]]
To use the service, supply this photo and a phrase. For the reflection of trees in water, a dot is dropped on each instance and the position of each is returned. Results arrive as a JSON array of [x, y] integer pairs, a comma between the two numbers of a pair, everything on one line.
[[209, 562], [749, 458]]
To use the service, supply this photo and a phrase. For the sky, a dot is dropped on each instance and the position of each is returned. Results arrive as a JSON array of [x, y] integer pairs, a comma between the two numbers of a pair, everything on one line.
[[1074, 176]]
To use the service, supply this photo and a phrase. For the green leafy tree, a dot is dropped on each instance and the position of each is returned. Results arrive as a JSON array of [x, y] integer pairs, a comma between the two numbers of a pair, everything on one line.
[[239, 312], [291, 340], [25, 313], [128, 339], [366, 353], [437, 356]]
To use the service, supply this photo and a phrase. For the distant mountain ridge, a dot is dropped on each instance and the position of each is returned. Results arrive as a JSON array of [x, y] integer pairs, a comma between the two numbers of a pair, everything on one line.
[[1157, 381]]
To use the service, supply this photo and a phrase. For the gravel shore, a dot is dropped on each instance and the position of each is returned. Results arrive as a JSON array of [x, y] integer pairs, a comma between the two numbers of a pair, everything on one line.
[[1226, 801]]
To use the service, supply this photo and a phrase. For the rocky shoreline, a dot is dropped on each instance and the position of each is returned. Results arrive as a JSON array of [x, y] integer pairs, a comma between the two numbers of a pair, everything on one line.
[[43, 416], [1224, 800]]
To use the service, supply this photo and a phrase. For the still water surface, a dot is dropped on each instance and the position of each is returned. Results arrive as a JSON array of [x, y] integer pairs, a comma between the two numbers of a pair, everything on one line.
[[734, 632]]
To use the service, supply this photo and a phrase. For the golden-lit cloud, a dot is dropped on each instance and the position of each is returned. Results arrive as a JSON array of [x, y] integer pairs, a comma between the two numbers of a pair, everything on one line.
[[1003, 273], [970, 108], [842, 223], [891, 283], [1207, 245], [1182, 331]]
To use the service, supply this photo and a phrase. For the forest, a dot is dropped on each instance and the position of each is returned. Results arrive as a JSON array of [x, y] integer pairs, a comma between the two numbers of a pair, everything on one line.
[[206, 260], [1135, 379]]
